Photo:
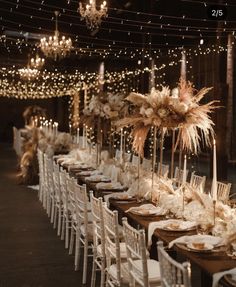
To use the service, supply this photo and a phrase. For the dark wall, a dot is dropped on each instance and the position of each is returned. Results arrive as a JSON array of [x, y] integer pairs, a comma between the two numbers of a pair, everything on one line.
[[11, 111]]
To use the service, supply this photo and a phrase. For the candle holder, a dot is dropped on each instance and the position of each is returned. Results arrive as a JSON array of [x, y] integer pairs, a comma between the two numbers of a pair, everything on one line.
[[154, 158], [183, 203]]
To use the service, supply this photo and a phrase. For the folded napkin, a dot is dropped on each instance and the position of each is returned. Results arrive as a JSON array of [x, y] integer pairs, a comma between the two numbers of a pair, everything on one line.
[[97, 177], [91, 172], [219, 275], [109, 185], [113, 194], [214, 240]]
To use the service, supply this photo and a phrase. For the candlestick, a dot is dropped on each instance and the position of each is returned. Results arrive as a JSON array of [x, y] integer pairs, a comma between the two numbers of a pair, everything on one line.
[[214, 179], [70, 128], [90, 140], [154, 158], [161, 151], [86, 136], [172, 155], [185, 170], [83, 142]]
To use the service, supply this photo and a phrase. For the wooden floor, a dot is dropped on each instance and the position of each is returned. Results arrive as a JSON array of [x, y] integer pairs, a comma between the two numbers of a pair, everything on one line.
[[31, 254]]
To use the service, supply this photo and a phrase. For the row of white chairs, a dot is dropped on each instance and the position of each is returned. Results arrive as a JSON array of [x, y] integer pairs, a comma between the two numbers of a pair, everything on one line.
[[119, 252], [196, 181]]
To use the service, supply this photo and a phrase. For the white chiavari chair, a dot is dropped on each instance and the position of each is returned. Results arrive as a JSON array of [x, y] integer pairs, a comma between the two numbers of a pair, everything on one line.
[[58, 208], [178, 175], [127, 157], [41, 175], [116, 269], [46, 202], [17, 141], [64, 176], [146, 164], [99, 258], [164, 170], [50, 185], [223, 191], [197, 181], [143, 271], [173, 273], [82, 229], [135, 159]]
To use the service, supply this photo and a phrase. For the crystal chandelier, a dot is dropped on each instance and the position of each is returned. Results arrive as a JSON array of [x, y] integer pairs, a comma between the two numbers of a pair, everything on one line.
[[37, 62], [28, 74], [92, 16], [54, 47]]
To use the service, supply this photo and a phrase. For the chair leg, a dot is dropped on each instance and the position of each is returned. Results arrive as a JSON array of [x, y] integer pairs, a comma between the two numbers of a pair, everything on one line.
[[59, 221], [67, 232], [77, 250], [85, 265], [63, 228], [72, 238], [103, 272], [52, 210], [55, 217], [93, 279]]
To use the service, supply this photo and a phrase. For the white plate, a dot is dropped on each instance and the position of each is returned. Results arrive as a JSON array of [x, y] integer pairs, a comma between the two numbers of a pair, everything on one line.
[[193, 246], [207, 239], [179, 225], [147, 212]]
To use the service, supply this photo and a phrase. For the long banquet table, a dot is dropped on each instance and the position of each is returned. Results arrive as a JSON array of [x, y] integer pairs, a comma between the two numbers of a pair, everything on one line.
[[209, 263]]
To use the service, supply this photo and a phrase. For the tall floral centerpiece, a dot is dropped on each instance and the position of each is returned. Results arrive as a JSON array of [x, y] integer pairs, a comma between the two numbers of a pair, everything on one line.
[[101, 111], [159, 109]]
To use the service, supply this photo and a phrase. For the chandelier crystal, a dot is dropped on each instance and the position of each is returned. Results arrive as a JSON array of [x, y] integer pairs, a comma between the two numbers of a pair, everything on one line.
[[37, 62], [92, 16], [54, 47], [28, 74]]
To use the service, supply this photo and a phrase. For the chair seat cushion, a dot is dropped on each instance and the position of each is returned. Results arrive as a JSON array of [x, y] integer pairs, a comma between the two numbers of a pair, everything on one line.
[[112, 271], [123, 253], [89, 233], [153, 266]]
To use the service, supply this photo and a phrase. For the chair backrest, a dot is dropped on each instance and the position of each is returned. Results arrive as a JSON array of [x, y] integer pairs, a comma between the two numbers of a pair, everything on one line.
[[178, 175], [64, 193], [17, 142], [112, 241], [163, 169], [71, 183], [197, 181], [135, 159], [136, 249], [173, 273], [81, 204], [117, 155], [127, 157], [223, 191], [56, 180], [48, 165], [98, 222], [146, 164]]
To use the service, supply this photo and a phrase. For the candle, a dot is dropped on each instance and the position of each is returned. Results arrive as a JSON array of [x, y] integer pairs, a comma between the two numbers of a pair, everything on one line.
[[90, 140], [70, 128], [121, 144], [185, 170], [86, 136], [77, 138], [56, 129], [83, 144], [214, 179]]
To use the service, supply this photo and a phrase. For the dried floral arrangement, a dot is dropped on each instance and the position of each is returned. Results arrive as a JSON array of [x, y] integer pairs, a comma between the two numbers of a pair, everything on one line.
[[162, 110]]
